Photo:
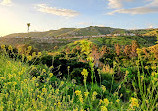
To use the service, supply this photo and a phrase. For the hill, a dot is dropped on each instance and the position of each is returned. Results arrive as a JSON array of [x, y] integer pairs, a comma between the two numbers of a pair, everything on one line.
[[70, 32]]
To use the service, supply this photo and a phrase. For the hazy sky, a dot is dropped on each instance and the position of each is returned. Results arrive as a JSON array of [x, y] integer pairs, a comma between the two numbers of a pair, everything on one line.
[[53, 14]]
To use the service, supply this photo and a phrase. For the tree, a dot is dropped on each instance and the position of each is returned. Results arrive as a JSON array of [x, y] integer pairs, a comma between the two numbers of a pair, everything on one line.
[[28, 25]]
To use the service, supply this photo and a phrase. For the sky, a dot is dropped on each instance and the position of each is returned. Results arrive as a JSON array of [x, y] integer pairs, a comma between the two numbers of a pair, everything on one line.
[[44, 15]]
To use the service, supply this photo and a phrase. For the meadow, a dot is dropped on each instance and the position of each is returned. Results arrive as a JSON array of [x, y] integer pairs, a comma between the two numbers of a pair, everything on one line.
[[85, 75]]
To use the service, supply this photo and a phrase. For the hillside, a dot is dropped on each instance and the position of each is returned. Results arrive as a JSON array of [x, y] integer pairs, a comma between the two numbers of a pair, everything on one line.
[[152, 33], [64, 32]]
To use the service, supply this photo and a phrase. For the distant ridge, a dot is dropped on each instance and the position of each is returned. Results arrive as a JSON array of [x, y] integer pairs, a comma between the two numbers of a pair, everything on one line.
[[70, 32]]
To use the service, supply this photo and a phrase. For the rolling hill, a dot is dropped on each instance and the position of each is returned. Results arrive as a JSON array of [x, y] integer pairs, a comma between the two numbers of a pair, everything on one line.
[[70, 32]]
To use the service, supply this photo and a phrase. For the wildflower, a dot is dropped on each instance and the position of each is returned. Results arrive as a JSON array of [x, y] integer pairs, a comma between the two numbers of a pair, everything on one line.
[[86, 94], [103, 88], [103, 108], [84, 73], [14, 83], [77, 92], [153, 74], [134, 103], [90, 59], [30, 48], [146, 67], [39, 54], [10, 48], [94, 95], [100, 102], [61, 83], [3, 46], [117, 100], [43, 70], [138, 51], [34, 54], [59, 104], [44, 90], [106, 102], [50, 75], [37, 84], [29, 58], [81, 98]]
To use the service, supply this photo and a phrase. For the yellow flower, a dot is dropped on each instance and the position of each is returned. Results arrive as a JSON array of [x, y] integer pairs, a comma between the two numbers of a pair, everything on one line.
[[81, 98], [59, 104], [44, 90], [77, 92], [146, 67], [10, 48], [50, 74], [103, 108], [39, 54], [43, 70], [117, 100], [29, 48], [86, 94], [37, 84], [3, 46], [90, 59], [106, 102], [153, 74], [34, 54], [61, 83], [14, 83], [134, 103], [94, 95], [138, 51], [100, 102], [103, 88], [29, 58], [84, 72]]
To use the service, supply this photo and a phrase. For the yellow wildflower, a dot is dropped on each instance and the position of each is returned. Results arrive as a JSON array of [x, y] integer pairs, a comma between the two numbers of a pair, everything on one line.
[[59, 104], [44, 90], [34, 54], [117, 100], [77, 92], [29, 58], [3, 46], [103, 88], [30, 48], [81, 98], [103, 108], [86, 94], [84, 72], [134, 103], [100, 102], [106, 102], [39, 54], [94, 95], [10, 48], [50, 75]]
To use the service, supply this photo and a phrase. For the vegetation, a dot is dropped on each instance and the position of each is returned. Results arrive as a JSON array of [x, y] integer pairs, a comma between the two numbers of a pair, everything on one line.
[[85, 75]]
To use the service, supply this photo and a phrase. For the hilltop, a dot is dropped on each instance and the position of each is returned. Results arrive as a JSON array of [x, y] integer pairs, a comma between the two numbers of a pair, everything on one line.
[[70, 32]]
